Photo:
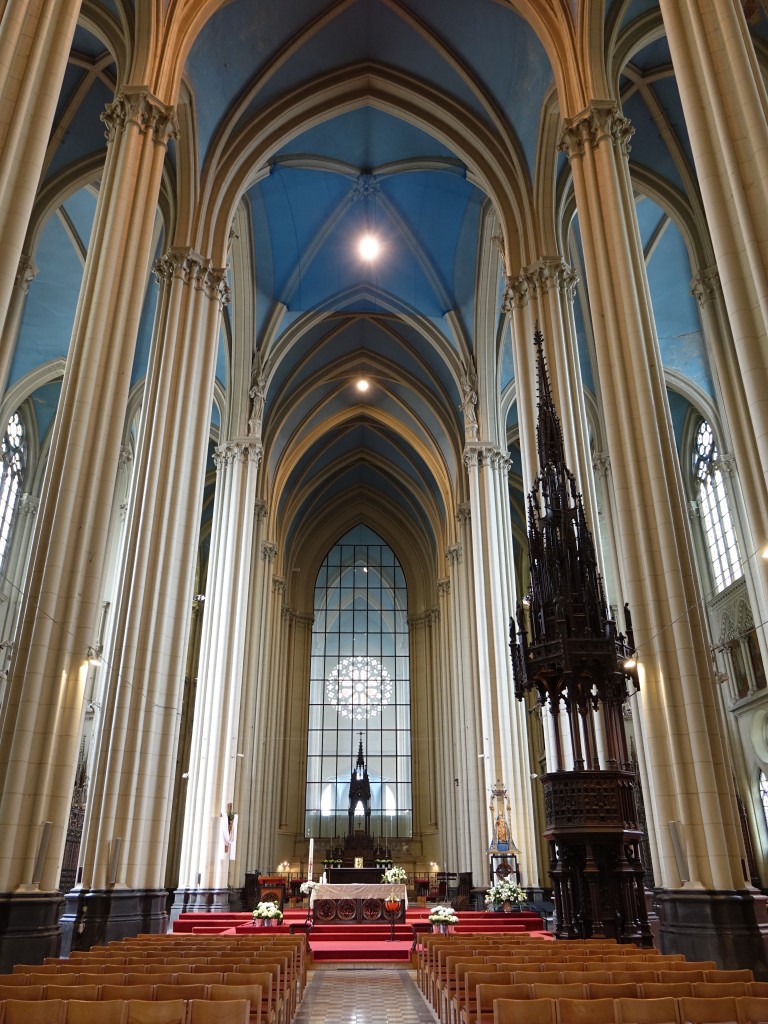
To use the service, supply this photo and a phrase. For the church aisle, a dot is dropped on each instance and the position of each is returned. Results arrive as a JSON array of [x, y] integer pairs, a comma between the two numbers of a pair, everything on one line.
[[363, 995]]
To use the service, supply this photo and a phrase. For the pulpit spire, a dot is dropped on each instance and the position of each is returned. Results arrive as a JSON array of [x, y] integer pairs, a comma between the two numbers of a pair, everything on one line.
[[566, 648]]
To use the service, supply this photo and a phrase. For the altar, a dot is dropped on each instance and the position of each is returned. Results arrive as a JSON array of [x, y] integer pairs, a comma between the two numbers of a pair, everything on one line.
[[361, 903]]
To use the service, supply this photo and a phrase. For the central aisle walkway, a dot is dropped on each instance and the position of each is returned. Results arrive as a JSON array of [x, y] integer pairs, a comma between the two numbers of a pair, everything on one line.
[[359, 994]]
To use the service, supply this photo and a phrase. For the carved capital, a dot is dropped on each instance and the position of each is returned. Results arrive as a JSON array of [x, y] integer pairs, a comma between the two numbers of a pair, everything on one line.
[[463, 512], [693, 509], [515, 294], [237, 451], [26, 272], [303, 621], [125, 458], [726, 463], [189, 267], [549, 272], [599, 122], [601, 463], [28, 505], [444, 586], [706, 286], [260, 509], [278, 584], [453, 554], [137, 106], [268, 551], [480, 455]]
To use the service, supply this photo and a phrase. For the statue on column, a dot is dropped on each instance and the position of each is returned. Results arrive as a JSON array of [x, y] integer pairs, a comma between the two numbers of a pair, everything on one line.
[[258, 395], [469, 401]]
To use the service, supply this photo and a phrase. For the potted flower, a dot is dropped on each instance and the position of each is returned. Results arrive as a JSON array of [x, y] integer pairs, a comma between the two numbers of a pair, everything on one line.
[[394, 876], [504, 894], [267, 914], [307, 888], [442, 919]]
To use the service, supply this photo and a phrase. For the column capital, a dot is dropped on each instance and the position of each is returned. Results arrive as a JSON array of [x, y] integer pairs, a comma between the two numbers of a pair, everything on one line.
[[188, 266], [549, 272], [515, 294], [136, 105], [479, 455], [268, 551], [278, 584], [601, 463], [463, 512], [28, 505], [600, 120], [260, 509], [705, 287], [26, 272], [444, 586], [453, 553], [237, 451]]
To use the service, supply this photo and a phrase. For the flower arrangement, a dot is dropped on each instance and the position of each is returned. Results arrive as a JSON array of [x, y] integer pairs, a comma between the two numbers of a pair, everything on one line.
[[443, 915], [307, 888], [394, 876], [505, 892], [267, 911]]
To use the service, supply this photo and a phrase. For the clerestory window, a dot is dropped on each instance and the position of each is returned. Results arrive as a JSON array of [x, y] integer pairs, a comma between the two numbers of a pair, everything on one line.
[[14, 464], [714, 511]]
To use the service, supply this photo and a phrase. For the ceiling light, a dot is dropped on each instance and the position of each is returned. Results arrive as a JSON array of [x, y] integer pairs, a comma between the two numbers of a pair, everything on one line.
[[369, 247], [363, 384]]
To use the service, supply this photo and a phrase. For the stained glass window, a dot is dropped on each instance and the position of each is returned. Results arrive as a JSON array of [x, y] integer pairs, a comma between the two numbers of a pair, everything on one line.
[[714, 511], [359, 688], [14, 462]]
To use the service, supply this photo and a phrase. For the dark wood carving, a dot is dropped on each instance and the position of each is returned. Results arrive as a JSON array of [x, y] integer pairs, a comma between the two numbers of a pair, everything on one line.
[[566, 648]]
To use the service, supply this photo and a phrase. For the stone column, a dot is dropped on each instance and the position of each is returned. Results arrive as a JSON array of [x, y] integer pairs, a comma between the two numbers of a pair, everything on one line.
[[132, 789], [689, 779], [504, 747], [294, 729], [35, 40], [723, 95], [41, 727], [423, 748], [213, 762], [468, 795], [446, 717], [248, 793]]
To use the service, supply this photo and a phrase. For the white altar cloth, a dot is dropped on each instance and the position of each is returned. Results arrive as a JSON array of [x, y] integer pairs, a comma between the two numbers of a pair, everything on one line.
[[359, 891]]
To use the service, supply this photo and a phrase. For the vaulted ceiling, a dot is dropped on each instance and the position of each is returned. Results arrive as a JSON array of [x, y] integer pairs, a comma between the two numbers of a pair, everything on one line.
[[314, 314]]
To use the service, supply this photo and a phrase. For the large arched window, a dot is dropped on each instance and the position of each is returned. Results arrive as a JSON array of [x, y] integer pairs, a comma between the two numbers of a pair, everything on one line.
[[359, 688], [14, 462], [714, 511]]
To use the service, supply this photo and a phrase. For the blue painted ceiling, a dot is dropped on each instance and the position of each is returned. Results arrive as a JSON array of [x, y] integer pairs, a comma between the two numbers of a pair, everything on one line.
[[366, 169]]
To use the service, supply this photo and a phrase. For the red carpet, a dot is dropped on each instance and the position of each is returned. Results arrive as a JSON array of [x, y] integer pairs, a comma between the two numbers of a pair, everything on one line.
[[361, 942]]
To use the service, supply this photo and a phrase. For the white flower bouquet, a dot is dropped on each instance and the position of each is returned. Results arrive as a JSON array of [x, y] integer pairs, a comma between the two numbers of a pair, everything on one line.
[[307, 888], [505, 892], [443, 915], [394, 876], [267, 911]]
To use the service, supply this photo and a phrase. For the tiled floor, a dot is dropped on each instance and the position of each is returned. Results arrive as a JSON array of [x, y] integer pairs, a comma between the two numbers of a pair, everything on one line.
[[363, 995]]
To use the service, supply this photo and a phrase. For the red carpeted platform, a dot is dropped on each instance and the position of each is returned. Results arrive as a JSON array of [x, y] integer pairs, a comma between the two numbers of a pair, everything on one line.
[[365, 943]]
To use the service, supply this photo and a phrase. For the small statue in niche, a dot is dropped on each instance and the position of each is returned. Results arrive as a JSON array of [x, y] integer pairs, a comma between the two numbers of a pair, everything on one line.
[[469, 401], [258, 395]]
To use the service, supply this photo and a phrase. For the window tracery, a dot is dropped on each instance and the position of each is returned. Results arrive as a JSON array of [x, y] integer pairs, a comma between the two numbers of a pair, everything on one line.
[[714, 510], [14, 457]]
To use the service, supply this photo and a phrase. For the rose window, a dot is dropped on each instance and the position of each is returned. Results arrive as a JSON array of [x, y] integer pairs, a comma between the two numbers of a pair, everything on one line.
[[359, 687]]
